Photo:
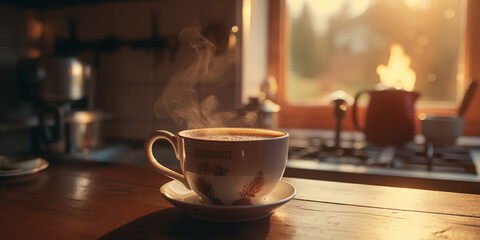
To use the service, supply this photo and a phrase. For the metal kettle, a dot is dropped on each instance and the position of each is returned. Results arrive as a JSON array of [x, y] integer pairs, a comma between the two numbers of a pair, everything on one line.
[[56, 79]]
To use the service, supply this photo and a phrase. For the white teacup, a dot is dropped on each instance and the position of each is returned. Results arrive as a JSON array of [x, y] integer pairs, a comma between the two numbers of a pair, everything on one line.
[[442, 130], [226, 166]]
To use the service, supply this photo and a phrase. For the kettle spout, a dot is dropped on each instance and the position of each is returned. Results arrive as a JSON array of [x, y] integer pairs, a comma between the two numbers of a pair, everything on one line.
[[415, 95]]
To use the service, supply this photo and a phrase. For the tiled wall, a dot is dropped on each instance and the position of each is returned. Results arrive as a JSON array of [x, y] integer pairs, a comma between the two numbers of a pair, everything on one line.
[[12, 47], [130, 80]]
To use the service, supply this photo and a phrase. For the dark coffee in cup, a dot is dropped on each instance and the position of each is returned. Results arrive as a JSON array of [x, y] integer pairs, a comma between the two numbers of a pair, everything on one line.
[[233, 135]]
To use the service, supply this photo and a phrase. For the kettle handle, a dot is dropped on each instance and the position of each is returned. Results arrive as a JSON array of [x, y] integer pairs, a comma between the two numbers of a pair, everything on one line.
[[50, 134], [354, 111]]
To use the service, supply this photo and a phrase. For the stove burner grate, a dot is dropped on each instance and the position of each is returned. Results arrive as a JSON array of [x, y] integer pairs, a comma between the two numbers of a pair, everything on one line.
[[413, 156]]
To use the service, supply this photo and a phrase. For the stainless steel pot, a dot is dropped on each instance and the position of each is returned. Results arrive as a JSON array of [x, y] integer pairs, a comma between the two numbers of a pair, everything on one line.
[[76, 131], [84, 130]]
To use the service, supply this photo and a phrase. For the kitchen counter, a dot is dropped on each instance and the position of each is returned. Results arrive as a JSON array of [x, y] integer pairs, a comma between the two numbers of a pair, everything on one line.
[[124, 152], [133, 153], [100, 200]]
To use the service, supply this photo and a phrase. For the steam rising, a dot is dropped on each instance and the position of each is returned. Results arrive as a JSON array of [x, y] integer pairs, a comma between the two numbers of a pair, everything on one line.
[[180, 98]]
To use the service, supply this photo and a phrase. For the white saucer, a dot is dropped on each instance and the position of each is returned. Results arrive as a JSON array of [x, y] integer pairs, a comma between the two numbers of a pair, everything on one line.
[[176, 193], [10, 167]]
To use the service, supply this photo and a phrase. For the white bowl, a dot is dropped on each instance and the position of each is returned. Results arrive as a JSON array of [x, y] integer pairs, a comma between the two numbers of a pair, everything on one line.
[[442, 130]]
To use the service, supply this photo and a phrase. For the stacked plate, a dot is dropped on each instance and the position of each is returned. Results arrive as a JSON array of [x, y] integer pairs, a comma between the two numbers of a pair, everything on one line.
[[16, 166]]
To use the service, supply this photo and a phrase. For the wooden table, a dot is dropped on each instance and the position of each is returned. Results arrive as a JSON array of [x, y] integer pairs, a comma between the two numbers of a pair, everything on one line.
[[91, 200]]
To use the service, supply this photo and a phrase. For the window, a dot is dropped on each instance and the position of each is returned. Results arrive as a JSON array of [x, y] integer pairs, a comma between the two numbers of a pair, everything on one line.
[[346, 45], [319, 47]]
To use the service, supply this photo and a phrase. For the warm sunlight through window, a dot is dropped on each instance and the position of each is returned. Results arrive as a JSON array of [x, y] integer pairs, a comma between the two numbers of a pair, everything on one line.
[[353, 45]]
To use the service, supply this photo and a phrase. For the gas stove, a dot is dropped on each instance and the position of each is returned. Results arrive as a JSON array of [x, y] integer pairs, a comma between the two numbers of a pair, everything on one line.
[[409, 157], [352, 159]]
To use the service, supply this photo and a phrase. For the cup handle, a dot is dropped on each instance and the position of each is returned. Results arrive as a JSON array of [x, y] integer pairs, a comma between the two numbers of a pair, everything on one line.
[[172, 139]]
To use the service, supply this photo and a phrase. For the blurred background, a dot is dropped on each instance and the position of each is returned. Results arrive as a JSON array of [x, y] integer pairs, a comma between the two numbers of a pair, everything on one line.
[[92, 79]]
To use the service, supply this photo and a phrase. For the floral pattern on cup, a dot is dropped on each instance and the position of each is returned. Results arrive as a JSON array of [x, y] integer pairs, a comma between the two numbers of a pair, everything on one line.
[[206, 189], [250, 189], [248, 192]]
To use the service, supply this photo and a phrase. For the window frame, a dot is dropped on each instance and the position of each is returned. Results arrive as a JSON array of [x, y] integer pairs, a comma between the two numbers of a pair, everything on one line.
[[321, 117]]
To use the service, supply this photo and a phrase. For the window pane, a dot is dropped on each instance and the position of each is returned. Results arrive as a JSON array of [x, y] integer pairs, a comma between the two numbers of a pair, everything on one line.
[[345, 45]]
